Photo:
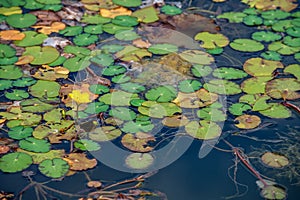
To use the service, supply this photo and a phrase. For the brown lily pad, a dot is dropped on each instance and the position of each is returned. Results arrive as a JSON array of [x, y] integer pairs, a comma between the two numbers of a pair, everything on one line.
[[175, 121], [247, 121], [274, 160], [138, 142], [285, 88], [79, 161]]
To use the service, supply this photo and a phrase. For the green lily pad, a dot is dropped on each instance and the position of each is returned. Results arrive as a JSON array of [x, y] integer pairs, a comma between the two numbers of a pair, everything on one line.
[[127, 3], [292, 42], [282, 25], [211, 41], [20, 132], [45, 89], [233, 17], [201, 70], [118, 98], [132, 53], [113, 28], [271, 55], [6, 51], [17, 94], [102, 59], [76, 64], [55, 168], [203, 130], [10, 72], [190, 85], [139, 160], [137, 126], [215, 51], [197, 57], [111, 48], [293, 31], [257, 101], [285, 88], [35, 145], [49, 1], [265, 36], [252, 20], [261, 67], [293, 69], [72, 30], [276, 110], [87, 145], [21, 20], [31, 38], [272, 192], [93, 29], [120, 79], [15, 162], [80, 52], [275, 14], [114, 70], [85, 39], [95, 19], [282, 48], [158, 110], [220, 86], [42, 55], [146, 15], [96, 107], [239, 108], [33, 5], [39, 157], [132, 87], [8, 4], [99, 89], [161, 94], [5, 84], [24, 82], [127, 35], [162, 49], [122, 113], [137, 102], [125, 20], [35, 105], [246, 45], [211, 114], [171, 10], [255, 85], [229, 73], [52, 131], [53, 116], [247, 121], [105, 133], [274, 160]]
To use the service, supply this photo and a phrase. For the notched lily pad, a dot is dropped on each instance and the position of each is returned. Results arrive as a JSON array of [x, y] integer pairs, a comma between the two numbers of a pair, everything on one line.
[[35, 145], [139, 160], [285, 88], [79, 161], [211, 41], [15, 162], [274, 160], [55, 168], [105, 133], [247, 121], [138, 142], [203, 130], [246, 45], [42, 55]]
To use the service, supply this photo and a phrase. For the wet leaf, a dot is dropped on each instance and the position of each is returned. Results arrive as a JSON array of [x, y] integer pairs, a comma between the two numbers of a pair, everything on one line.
[[87, 145], [189, 85], [247, 121], [211, 114], [72, 31], [274, 160], [283, 49], [171, 10], [44, 89], [105, 133], [125, 20], [252, 20], [211, 41], [273, 192], [276, 111], [161, 94], [20, 132], [6, 51], [255, 85], [80, 52], [118, 98], [16, 95], [76, 64], [275, 14], [197, 57], [54, 168], [261, 67], [158, 110], [35, 145], [85, 39], [21, 20], [11, 35], [132, 87], [42, 55], [112, 48], [139, 160], [114, 70], [293, 69], [271, 55], [79, 161], [233, 17], [220, 86], [239, 108], [265, 36], [292, 42], [93, 29], [138, 142], [113, 28], [229, 73], [122, 113], [5, 84], [102, 60], [162, 49], [293, 31], [35, 105], [203, 130], [10, 72], [175, 121], [146, 15], [246, 45], [15, 162], [201, 70], [137, 126], [285, 88]]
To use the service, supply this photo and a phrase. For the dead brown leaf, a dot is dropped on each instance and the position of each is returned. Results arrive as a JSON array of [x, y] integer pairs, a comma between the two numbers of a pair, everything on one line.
[[11, 35], [79, 161], [45, 17]]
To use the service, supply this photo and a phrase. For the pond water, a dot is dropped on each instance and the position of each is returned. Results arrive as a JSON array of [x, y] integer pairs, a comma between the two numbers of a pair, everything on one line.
[[245, 92]]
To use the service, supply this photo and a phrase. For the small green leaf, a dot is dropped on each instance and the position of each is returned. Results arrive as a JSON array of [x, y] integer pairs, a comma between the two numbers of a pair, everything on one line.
[[96, 107], [137, 126], [229, 73], [161, 94], [17, 95], [87, 145], [201, 70], [276, 110], [125, 20], [114, 70], [203, 130], [139, 160], [220, 86], [189, 85], [93, 29], [15, 162], [99, 89], [122, 113], [132, 87], [35, 145], [102, 59], [85, 39], [71, 31], [10, 72], [233, 17], [21, 20], [171, 10], [265, 36], [6, 51], [55, 168], [127, 35], [252, 20], [246, 45], [239, 108], [128, 3], [20, 132], [31, 38], [275, 14], [42, 55]]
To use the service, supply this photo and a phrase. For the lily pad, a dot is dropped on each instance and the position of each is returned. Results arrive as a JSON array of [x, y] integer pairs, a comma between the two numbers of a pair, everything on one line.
[[293, 69], [211, 114], [21, 20], [271, 55], [285, 88], [220, 86], [246, 45], [138, 142], [139, 160], [189, 85], [293, 31], [247, 121], [197, 57], [201, 70], [265, 36], [275, 14], [261, 67], [79, 161], [158, 110], [162, 49], [118, 98], [161, 94], [95, 19], [85, 39], [87, 145], [80, 52], [31, 38], [211, 40], [175, 121], [252, 20], [257, 101], [137, 126], [96, 107], [292, 42], [6, 51], [272, 192], [93, 29], [239, 108], [55, 168], [44, 89], [72, 31], [35, 105], [128, 3], [114, 70], [98, 89], [10, 72], [125, 20], [15, 162], [39, 157], [282, 48], [105, 133], [113, 28], [35, 145], [132, 87], [203, 130], [17, 95], [276, 110], [233, 17], [5, 84], [229, 73], [170, 10], [42, 55], [146, 15], [255, 85], [274, 160], [102, 59], [131, 53], [20, 132], [122, 113], [76, 64]]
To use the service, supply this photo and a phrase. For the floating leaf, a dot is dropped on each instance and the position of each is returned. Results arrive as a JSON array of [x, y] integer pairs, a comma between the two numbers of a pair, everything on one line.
[[239, 108], [261, 67], [35, 145], [257, 101], [10, 10], [229, 73], [87, 145], [131, 53], [15, 162], [6, 51], [95, 19], [125, 20], [146, 15], [128, 3], [211, 41], [93, 29], [138, 142], [275, 14], [233, 17], [201, 70], [282, 48], [102, 59], [122, 113], [105, 133], [55, 168], [21, 20], [203, 130], [20, 132], [98, 89], [247, 121], [44, 89], [271, 55], [189, 85], [80, 97], [293, 31], [276, 111], [292, 42], [252, 20], [285, 88], [162, 49], [39, 157], [273, 192], [10, 72], [211, 114], [42, 55], [175, 121], [197, 57], [79, 161], [139, 160], [161, 94], [17, 95], [35, 105], [137, 126], [274, 160], [72, 31], [80, 52], [118, 98], [85, 39], [220, 86], [246, 45], [255, 85], [171, 10], [113, 28], [132, 87], [53, 116], [293, 69], [96, 107], [127, 35], [265, 36], [76, 64], [158, 110], [114, 70], [5, 84], [115, 12]]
